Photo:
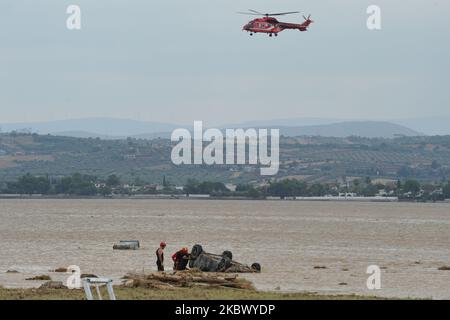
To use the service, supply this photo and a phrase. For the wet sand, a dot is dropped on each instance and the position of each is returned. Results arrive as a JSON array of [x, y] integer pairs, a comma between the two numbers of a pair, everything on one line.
[[289, 238]]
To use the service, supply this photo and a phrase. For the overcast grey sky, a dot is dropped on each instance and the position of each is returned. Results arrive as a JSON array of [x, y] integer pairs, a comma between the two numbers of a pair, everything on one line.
[[176, 61]]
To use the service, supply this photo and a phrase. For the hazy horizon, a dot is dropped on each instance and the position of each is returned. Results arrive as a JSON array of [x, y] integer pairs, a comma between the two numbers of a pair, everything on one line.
[[119, 127], [179, 62]]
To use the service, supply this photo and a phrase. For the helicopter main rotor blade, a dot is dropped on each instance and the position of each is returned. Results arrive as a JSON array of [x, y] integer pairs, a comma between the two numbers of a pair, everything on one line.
[[282, 13], [254, 11], [257, 13], [250, 14]]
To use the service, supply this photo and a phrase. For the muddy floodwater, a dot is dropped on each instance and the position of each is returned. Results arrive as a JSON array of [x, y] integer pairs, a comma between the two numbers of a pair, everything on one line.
[[322, 247]]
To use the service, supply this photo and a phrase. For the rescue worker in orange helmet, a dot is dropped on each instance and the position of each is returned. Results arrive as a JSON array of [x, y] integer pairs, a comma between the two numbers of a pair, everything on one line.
[[160, 256]]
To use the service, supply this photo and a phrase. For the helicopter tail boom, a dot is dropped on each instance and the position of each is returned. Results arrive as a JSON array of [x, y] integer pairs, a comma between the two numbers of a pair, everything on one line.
[[301, 27]]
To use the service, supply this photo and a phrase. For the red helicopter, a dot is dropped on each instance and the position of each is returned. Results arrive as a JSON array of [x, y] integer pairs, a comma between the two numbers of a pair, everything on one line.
[[268, 24]]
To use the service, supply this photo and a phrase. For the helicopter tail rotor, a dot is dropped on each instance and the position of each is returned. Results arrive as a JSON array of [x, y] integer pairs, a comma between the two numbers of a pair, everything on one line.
[[308, 18]]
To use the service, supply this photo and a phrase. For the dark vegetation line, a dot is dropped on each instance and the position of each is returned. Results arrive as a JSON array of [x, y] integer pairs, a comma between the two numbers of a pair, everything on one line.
[[87, 185]]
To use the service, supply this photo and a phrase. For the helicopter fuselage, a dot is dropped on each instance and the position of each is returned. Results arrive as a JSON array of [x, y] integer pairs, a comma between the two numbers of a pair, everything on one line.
[[271, 26]]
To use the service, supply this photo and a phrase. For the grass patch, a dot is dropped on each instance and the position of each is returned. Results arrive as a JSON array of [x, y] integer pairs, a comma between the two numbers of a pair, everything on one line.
[[125, 293]]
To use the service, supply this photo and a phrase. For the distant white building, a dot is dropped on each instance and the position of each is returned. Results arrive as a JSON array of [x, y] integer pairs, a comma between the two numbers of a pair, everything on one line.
[[348, 195], [382, 193]]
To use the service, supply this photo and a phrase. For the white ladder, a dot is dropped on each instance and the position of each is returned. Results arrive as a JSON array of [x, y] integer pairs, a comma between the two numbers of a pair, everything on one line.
[[98, 282]]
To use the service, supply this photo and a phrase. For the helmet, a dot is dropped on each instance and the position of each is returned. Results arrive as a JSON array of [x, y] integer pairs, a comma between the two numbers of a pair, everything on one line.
[[162, 244], [185, 250]]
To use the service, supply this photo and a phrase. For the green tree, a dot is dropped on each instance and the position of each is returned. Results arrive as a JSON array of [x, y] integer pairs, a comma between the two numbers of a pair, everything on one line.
[[412, 186], [435, 164], [370, 190], [191, 186], [112, 181], [77, 184], [138, 181], [254, 193], [398, 187], [243, 187], [288, 188], [446, 191], [29, 184], [318, 190], [105, 191], [206, 187]]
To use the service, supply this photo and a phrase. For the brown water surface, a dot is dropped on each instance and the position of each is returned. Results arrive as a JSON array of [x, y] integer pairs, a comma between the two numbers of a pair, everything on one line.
[[408, 241]]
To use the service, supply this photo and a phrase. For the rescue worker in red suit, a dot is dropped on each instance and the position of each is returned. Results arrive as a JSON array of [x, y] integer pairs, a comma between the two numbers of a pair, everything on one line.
[[180, 259]]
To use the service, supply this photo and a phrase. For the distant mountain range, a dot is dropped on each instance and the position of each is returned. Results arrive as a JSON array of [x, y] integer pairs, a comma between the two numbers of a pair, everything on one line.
[[113, 128], [426, 125], [92, 127], [367, 129]]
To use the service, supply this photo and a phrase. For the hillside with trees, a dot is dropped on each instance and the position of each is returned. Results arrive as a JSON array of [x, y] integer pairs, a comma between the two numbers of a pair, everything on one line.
[[312, 160]]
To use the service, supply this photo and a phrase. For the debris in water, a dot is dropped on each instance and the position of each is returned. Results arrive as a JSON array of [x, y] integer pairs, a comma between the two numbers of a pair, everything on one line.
[[187, 278], [127, 245], [12, 271], [41, 277], [53, 285]]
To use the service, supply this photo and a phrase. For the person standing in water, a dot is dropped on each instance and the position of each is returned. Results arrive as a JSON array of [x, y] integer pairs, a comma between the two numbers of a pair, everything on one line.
[[160, 256]]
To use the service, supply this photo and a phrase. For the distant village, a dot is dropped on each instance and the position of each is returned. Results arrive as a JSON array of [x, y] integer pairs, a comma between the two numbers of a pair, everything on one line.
[[79, 185]]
